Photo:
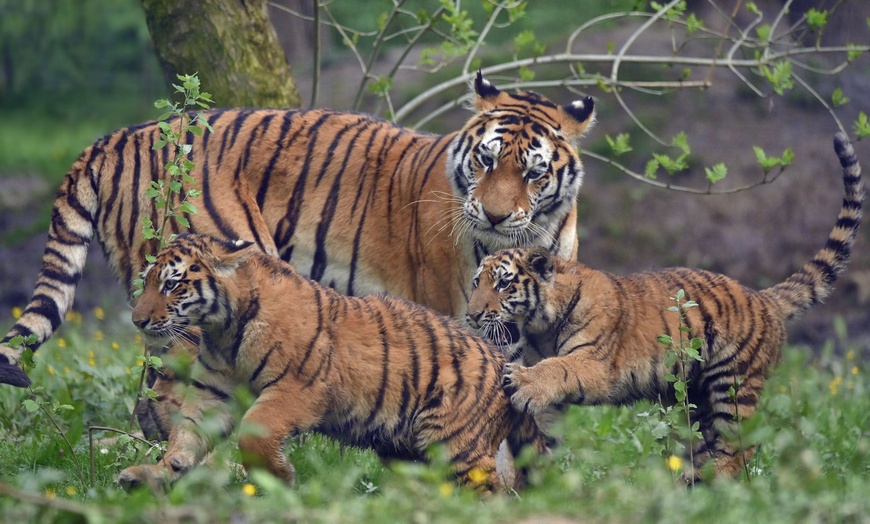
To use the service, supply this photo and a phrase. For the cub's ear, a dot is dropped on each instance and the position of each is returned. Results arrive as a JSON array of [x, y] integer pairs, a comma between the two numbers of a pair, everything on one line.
[[485, 93], [539, 262], [577, 118], [226, 255]]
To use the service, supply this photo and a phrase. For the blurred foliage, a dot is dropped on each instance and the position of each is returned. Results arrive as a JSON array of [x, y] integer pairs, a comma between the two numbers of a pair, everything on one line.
[[54, 50]]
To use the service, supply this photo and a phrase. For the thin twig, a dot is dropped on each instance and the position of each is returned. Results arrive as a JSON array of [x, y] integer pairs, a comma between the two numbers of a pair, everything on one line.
[[315, 77]]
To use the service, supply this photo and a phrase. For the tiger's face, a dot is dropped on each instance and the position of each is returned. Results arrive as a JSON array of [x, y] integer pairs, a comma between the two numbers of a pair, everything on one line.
[[183, 287], [515, 165], [507, 293]]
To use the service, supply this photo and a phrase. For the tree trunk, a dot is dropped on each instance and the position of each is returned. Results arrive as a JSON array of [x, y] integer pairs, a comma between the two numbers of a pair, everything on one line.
[[230, 44]]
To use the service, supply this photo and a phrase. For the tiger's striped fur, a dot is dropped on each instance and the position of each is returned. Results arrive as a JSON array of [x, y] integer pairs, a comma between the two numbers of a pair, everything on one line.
[[376, 371], [355, 202], [593, 335]]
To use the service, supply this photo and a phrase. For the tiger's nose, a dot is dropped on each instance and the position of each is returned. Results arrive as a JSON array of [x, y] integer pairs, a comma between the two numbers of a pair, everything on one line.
[[494, 218], [140, 320], [475, 316]]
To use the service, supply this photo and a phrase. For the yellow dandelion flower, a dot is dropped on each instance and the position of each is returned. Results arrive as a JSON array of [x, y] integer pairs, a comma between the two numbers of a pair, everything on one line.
[[92, 359], [99, 335], [115, 346], [99, 313], [249, 489], [834, 385], [73, 316], [477, 475], [137, 338], [66, 370], [850, 355], [854, 370], [50, 370], [71, 491], [17, 312], [61, 342], [50, 494], [675, 463], [445, 489]]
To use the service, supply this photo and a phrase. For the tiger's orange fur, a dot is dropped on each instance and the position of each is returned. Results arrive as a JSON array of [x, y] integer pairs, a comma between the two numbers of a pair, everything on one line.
[[589, 337], [376, 371], [354, 202]]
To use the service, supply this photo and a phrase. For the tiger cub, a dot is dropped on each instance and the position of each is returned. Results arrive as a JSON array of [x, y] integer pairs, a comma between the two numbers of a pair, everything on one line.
[[376, 371], [594, 334]]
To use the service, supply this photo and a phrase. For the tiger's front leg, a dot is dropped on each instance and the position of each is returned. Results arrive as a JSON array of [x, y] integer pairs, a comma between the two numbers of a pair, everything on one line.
[[552, 381], [156, 417], [207, 397]]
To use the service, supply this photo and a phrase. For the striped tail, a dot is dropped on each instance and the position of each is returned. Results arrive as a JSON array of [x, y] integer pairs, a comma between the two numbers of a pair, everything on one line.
[[812, 283], [70, 233]]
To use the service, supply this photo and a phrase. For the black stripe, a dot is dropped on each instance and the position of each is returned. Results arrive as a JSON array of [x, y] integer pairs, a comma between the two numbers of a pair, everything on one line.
[[263, 362], [385, 371], [211, 389], [320, 262], [287, 226]]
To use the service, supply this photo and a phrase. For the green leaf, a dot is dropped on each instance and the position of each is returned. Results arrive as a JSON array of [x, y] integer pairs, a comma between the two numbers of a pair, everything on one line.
[[159, 144], [716, 173], [693, 23], [161, 103], [187, 207], [763, 32], [665, 340], [165, 127], [861, 126], [150, 259], [661, 430], [816, 19], [787, 157], [752, 8], [183, 221], [619, 145], [196, 130], [30, 405], [837, 98]]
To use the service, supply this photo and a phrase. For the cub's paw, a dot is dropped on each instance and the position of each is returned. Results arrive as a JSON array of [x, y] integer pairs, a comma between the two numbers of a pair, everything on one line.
[[526, 393], [153, 476]]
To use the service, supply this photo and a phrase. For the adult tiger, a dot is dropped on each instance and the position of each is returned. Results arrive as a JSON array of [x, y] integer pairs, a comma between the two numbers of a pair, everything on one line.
[[353, 201], [376, 371], [593, 335]]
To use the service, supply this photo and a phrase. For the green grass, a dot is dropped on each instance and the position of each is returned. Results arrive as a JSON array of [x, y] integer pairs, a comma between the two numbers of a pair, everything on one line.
[[812, 464]]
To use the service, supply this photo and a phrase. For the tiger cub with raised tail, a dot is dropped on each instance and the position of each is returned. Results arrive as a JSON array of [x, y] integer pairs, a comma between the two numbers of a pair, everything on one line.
[[377, 371], [589, 337]]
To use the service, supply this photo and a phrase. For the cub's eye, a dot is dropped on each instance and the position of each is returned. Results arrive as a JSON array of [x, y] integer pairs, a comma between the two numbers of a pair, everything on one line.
[[169, 285], [486, 161], [475, 282], [503, 284], [194, 268], [536, 173]]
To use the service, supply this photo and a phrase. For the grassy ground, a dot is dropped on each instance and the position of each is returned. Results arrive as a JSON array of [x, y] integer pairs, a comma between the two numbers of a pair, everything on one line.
[[812, 465]]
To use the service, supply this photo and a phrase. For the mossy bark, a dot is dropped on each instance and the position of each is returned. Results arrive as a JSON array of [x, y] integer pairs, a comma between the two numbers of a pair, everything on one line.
[[230, 44]]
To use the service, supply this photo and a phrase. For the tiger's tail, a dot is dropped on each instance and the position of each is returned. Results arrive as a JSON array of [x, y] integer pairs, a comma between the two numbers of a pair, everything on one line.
[[71, 230], [812, 283]]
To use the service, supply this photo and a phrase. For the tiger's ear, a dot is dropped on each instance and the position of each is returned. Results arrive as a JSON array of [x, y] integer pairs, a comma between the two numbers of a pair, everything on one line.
[[539, 262], [485, 93], [577, 118], [225, 256]]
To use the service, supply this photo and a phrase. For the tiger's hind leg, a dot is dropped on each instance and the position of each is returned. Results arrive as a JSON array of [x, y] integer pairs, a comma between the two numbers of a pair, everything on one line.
[[721, 452], [280, 412]]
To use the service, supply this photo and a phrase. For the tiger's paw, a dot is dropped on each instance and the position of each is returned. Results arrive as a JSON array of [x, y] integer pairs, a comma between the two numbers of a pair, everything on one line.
[[527, 394], [156, 477], [153, 476]]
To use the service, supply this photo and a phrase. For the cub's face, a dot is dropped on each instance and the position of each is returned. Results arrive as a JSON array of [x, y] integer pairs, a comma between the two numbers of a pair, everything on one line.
[[176, 291], [515, 166], [506, 293], [185, 286]]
